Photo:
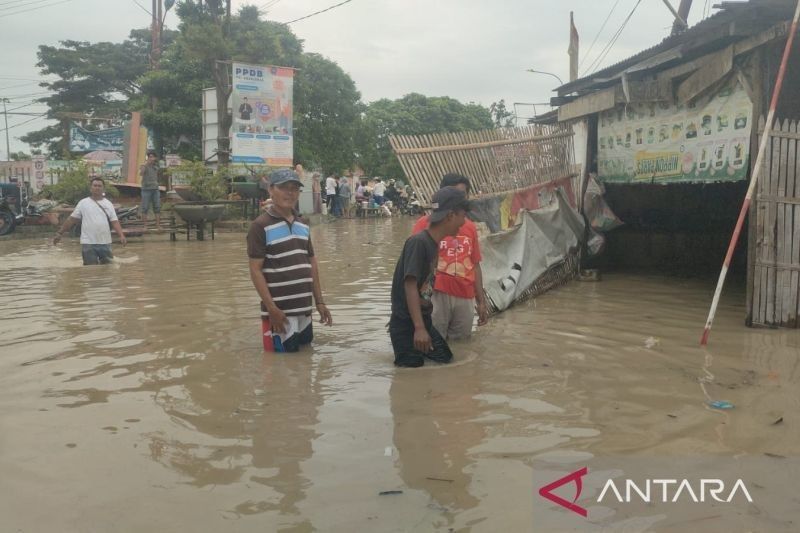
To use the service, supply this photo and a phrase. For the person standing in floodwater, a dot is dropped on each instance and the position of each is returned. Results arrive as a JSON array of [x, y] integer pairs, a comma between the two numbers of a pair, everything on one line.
[[94, 213], [284, 269], [459, 281], [410, 328], [150, 193]]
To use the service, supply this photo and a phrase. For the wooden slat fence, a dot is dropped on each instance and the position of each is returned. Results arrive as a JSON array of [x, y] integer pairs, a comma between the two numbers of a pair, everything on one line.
[[496, 161], [776, 278]]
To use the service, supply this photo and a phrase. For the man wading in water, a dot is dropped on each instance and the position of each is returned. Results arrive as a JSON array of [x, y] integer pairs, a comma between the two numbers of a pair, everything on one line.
[[283, 268], [410, 328], [94, 213]]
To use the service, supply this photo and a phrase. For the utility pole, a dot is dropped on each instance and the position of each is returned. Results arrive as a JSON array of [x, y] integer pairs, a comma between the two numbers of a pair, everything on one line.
[[5, 114], [681, 16]]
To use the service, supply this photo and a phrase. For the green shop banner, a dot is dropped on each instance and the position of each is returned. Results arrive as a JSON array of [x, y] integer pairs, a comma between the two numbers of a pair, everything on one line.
[[703, 142]]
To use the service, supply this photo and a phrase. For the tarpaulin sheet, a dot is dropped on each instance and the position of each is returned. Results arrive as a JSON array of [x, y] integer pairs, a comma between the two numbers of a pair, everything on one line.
[[499, 212], [514, 259]]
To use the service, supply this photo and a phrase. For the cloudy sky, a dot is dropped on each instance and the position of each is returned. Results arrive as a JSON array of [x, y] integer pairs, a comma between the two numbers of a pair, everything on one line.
[[471, 50]]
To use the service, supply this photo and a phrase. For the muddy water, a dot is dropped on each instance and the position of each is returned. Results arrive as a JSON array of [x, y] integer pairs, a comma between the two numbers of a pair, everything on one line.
[[136, 397]]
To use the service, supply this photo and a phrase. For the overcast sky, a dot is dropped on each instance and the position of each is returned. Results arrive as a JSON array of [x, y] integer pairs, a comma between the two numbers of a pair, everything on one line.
[[471, 50]]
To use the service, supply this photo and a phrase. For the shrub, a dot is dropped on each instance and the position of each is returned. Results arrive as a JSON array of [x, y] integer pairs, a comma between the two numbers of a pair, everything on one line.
[[203, 181], [73, 186]]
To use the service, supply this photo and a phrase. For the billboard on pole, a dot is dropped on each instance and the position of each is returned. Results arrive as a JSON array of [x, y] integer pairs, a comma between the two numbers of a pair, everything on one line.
[[262, 104]]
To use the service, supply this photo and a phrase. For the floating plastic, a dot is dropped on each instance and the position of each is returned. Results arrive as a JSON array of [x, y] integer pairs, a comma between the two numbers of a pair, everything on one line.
[[721, 405]]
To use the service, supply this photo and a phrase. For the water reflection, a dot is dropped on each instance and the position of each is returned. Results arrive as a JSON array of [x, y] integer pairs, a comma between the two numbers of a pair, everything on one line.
[[151, 372]]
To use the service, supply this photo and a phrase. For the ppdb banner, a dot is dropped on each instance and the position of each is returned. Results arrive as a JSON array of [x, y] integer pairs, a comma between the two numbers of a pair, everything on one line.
[[262, 103]]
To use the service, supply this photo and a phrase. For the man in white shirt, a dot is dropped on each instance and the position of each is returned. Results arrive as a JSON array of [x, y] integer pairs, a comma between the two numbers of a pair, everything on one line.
[[94, 213], [378, 191], [330, 192]]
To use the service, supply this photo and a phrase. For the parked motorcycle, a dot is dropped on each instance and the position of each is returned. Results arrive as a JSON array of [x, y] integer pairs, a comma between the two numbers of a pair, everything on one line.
[[411, 206], [15, 206]]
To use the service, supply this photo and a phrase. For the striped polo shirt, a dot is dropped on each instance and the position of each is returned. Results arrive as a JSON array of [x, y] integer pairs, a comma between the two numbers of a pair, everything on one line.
[[287, 252]]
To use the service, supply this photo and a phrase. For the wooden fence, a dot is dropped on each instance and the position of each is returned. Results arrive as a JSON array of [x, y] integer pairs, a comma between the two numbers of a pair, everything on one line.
[[776, 271], [496, 161]]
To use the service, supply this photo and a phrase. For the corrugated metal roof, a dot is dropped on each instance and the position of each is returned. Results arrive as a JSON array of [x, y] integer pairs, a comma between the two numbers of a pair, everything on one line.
[[769, 11]]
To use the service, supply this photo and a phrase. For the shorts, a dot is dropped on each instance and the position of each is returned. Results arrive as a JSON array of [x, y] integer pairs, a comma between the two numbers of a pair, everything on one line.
[[96, 254], [452, 316], [401, 332], [151, 197], [299, 332]]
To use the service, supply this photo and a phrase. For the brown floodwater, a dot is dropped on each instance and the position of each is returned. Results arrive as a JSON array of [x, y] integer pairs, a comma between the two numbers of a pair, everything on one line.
[[136, 396]]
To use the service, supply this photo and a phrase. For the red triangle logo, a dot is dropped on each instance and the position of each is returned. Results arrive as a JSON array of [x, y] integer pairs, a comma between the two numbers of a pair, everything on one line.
[[575, 477]]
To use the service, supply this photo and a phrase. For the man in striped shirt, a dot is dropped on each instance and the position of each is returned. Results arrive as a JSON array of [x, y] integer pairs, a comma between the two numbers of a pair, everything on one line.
[[283, 268]]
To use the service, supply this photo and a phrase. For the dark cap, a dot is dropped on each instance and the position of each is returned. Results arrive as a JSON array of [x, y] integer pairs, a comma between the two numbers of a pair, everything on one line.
[[445, 200], [283, 175]]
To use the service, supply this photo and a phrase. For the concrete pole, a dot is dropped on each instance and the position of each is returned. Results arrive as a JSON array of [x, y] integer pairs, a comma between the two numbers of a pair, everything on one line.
[[5, 114]]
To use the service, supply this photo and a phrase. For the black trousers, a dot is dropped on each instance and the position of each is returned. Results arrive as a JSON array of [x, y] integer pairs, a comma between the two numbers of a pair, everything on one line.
[[401, 332]]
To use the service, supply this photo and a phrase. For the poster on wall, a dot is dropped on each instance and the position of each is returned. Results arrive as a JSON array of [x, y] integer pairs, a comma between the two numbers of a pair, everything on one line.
[[704, 142], [261, 131]]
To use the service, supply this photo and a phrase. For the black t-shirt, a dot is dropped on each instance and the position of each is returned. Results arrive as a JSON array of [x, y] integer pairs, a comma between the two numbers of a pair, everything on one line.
[[420, 253]]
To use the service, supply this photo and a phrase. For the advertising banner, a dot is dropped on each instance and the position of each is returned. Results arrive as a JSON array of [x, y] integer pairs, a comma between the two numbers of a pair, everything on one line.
[[262, 103], [704, 142], [39, 172], [82, 140]]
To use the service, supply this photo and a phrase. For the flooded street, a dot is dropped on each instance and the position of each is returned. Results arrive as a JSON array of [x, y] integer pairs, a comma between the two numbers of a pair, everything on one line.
[[136, 397]]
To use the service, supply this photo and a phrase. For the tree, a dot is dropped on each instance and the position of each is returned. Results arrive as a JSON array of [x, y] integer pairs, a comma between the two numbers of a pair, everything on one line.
[[414, 114], [94, 79], [327, 116], [327, 106], [19, 156], [209, 39], [502, 117]]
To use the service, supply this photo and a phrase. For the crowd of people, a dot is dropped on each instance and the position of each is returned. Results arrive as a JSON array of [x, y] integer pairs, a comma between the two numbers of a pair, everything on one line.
[[437, 286], [341, 200]]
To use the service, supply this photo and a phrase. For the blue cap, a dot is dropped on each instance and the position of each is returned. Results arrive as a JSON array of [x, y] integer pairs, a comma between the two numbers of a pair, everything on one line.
[[283, 175]]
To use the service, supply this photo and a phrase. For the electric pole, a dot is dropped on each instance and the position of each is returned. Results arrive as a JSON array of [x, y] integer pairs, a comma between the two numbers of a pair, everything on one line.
[[681, 21], [5, 114]]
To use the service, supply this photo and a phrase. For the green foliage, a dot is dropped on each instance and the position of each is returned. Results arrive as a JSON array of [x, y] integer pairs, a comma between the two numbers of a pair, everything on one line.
[[19, 156], [414, 114], [204, 182], [502, 117], [327, 115], [73, 186], [95, 79]]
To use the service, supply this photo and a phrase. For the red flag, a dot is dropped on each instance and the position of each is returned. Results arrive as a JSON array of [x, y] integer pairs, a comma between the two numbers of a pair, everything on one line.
[[573, 49]]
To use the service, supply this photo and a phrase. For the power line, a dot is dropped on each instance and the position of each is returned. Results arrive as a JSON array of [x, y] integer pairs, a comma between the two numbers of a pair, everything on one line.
[[318, 12], [598, 33], [268, 5], [142, 8], [23, 123], [599, 61], [13, 2], [3, 15], [23, 5], [19, 96], [18, 85], [34, 102]]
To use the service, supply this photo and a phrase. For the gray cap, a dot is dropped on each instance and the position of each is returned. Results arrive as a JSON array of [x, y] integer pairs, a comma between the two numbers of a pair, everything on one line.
[[283, 175], [446, 200]]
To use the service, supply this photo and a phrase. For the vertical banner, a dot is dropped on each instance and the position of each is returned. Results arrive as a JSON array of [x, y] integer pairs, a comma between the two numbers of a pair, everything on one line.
[[262, 104], [702, 142], [39, 172]]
